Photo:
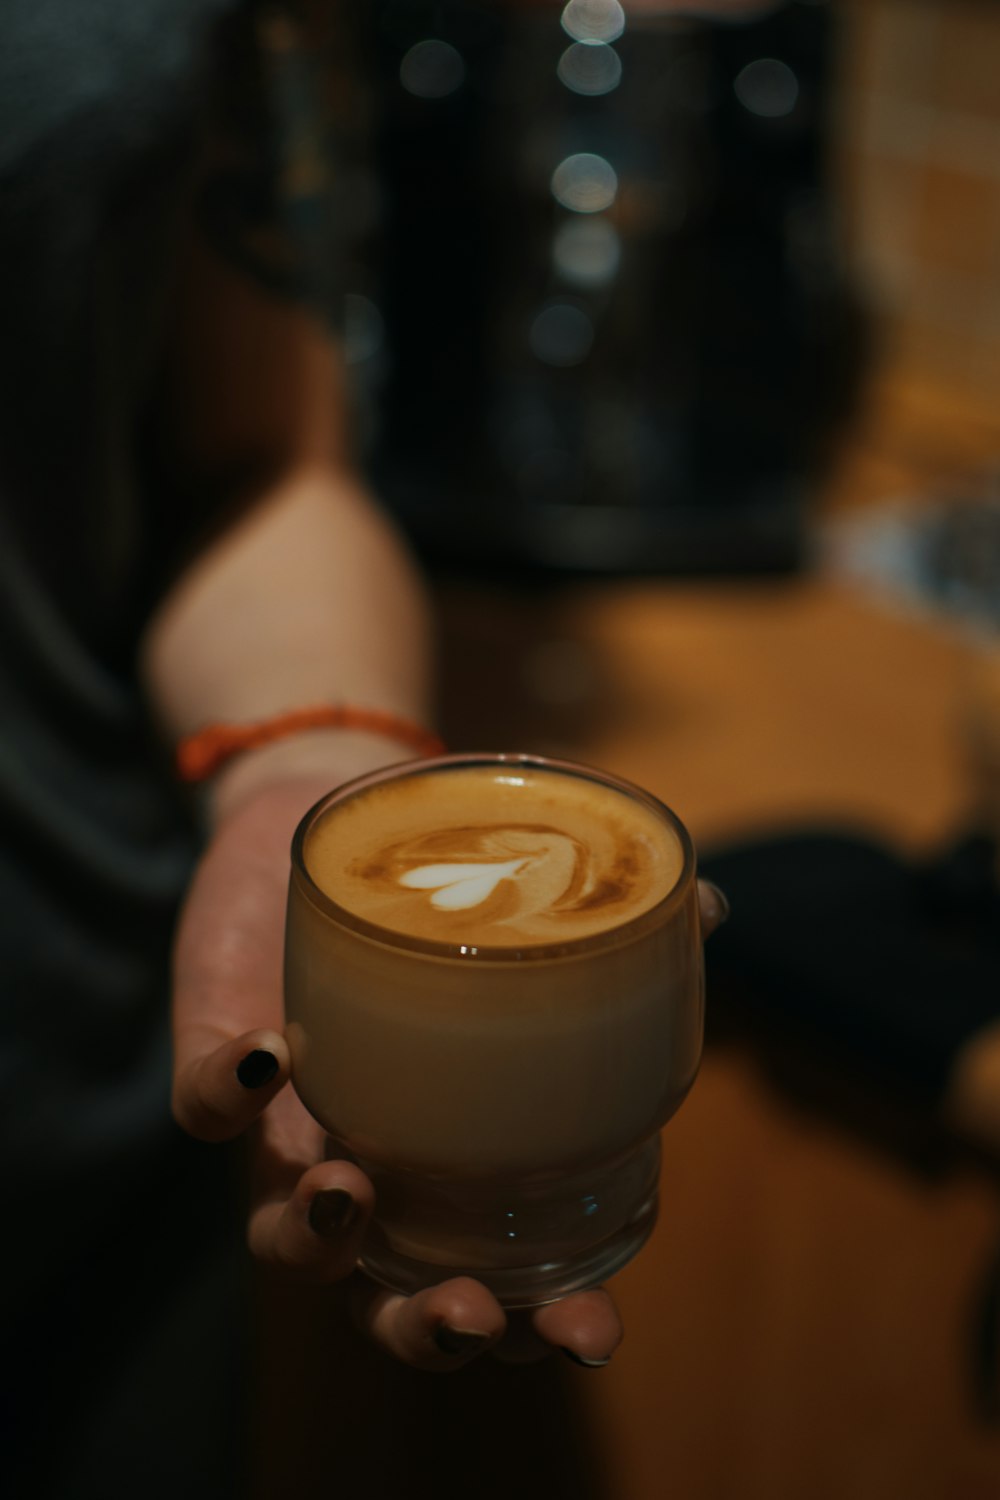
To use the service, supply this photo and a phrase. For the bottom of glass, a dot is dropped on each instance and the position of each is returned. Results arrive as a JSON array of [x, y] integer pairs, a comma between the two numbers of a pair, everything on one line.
[[514, 1286], [571, 1236]]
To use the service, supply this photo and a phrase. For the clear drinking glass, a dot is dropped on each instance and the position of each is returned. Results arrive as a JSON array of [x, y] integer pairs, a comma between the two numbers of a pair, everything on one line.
[[505, 1101]]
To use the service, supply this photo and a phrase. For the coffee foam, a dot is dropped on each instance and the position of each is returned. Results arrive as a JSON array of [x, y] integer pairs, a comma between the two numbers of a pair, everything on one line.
[[494, 856]]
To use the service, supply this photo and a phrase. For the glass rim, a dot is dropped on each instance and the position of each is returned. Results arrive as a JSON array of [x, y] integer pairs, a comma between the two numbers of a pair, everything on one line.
[[389, 937]]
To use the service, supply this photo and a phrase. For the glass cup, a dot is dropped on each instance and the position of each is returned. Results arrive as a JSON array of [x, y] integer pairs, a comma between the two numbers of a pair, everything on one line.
[[504, 1101]]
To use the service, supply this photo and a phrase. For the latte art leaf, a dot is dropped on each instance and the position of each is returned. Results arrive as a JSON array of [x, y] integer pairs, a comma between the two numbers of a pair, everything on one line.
[[476, 858], [460, 886], [546, 865]]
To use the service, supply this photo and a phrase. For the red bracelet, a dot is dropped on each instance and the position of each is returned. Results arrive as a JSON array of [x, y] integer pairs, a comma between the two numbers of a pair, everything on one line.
[[201, 755]]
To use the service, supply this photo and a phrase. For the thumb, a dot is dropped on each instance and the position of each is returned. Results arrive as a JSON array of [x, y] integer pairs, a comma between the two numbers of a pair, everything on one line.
[[230, 1056]]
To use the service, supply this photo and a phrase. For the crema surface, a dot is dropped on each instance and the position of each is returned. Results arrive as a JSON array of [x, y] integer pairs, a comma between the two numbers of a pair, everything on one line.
[[494, 856]]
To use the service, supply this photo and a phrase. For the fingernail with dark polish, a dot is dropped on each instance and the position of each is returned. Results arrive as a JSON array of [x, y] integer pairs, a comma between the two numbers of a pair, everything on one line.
[[332, 1212], [459, 1340], [722, 900], [588, 1364], [257, 1068]]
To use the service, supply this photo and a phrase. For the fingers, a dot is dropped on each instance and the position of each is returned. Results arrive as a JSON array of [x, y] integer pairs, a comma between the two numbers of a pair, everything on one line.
[[219, 1092], [586, 1327], [714, 907], [316, 1233], [309, 1214], [440, 1329], [449, 1325]]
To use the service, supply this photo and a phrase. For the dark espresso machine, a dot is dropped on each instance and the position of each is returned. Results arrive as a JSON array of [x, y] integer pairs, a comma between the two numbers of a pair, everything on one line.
[[595, 309]]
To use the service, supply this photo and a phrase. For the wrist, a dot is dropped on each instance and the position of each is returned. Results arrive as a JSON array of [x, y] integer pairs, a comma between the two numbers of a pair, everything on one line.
[[304, 767]]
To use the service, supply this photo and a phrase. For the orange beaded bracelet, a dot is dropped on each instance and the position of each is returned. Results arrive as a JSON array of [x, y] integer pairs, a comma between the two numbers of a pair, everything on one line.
[[200, 755]]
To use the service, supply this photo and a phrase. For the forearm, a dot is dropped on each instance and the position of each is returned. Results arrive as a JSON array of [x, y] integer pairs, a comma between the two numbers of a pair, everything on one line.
[[309, 598]]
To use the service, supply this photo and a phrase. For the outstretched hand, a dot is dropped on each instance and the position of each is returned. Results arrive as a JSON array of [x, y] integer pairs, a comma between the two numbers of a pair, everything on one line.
[[231, 1068]]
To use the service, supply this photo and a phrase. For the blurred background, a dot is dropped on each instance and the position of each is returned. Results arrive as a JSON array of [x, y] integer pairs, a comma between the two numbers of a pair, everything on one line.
[[676, 346]]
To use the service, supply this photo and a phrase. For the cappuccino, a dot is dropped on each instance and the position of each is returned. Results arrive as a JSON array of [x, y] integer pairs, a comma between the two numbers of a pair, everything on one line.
[[494, 998], [494, 856]]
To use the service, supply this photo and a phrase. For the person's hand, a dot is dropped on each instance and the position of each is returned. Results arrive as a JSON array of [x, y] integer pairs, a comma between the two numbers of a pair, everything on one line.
[[231, 1068]]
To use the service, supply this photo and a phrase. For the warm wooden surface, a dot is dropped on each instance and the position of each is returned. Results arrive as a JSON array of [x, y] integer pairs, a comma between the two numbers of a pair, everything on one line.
[[742, 705], [800, 1324]]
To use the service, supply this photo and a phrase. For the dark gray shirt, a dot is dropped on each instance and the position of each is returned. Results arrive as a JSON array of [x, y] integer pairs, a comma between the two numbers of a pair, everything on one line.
[[102, 106]]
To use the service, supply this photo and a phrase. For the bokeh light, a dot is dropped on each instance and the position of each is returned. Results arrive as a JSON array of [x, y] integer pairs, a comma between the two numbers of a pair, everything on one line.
[[767, 87], [585, 183], [593, 20], [561, 335], [587, 252], [591, 68], [432, 70]]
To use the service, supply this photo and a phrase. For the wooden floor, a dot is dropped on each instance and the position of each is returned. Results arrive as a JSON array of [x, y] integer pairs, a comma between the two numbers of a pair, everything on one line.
[[802, 1323]]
